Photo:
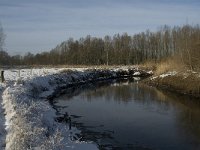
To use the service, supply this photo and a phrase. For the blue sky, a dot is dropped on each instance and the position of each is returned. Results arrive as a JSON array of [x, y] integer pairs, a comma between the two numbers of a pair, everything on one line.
[[39, 25]]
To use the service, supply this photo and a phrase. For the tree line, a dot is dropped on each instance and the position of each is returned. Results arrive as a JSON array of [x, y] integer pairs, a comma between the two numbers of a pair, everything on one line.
[[120, 49]]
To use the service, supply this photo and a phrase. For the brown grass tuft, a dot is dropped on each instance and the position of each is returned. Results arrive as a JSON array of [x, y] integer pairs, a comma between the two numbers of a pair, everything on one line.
[[170, 64], [185, 83]]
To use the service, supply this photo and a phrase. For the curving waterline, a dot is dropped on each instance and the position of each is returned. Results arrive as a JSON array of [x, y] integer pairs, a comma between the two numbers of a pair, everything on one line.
[[30, 118]]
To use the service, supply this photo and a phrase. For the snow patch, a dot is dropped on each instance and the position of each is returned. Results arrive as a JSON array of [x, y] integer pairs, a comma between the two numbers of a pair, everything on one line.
[[153, 78], [136, 73], [2, 120], [150, 72], [168, 74]]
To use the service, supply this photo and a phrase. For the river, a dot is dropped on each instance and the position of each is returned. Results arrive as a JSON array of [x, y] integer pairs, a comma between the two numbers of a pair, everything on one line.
[[131, 115]]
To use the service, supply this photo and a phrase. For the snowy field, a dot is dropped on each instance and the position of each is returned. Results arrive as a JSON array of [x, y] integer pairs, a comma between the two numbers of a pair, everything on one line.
[[28, 119]]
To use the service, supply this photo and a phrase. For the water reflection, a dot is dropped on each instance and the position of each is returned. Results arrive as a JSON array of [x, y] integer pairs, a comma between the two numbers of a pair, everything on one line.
[[127, 115], [187, 117]]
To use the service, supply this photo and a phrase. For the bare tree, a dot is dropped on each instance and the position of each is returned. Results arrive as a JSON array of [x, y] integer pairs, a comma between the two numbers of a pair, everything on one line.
[[2, 37]]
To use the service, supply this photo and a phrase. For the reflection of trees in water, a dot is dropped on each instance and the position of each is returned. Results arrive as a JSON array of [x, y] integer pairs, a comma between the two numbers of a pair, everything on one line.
[[124, 93], [151, 97], [77, 90], [117, 93], [188, 115], [187, 111], [189, 121]]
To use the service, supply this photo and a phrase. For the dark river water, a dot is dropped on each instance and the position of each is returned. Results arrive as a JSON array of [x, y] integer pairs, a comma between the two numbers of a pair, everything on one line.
[[130, 115]]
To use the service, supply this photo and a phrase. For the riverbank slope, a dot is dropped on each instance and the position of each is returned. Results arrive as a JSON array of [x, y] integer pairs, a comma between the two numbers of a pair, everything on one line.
[[183, 82]]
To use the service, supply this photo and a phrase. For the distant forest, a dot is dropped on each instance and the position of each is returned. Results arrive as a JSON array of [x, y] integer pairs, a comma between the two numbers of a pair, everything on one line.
[[182, 42]]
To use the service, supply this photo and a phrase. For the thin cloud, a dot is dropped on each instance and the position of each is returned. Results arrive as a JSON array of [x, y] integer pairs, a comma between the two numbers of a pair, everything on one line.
[[41, 25]]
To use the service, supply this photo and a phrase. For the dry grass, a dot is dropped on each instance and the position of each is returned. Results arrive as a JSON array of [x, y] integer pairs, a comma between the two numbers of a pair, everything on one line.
[[185, 83], [148, 65], [165, 65], [168, 65]]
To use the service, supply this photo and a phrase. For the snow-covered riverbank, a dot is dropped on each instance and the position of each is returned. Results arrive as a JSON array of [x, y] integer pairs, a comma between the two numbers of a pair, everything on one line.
[[2, 119], [187, 82], [29, 118]]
